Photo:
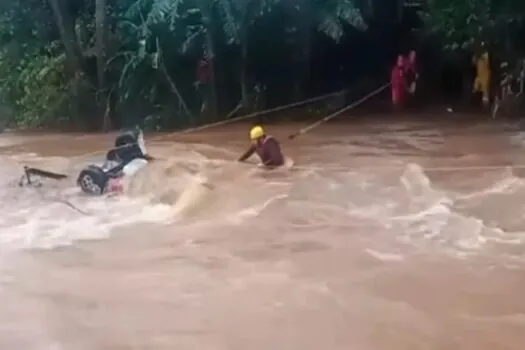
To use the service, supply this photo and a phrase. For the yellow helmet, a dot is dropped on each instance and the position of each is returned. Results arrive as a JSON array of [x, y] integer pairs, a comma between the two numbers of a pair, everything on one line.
[[256, 132]]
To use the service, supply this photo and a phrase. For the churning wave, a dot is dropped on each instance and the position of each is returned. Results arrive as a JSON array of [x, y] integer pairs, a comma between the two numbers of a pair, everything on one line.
[[402, 204]]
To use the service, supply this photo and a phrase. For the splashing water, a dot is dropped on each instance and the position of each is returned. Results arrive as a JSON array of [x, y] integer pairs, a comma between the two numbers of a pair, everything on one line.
[[366, 241]]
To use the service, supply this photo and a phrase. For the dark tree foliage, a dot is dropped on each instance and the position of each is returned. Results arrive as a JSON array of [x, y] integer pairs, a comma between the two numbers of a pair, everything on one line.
[[102, 64]]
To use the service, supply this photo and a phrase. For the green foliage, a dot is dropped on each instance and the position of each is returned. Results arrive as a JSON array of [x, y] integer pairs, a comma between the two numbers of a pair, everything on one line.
[[35, 86], [49, 50], [460, 24], [32, 80], [331, 15], [148, 41]]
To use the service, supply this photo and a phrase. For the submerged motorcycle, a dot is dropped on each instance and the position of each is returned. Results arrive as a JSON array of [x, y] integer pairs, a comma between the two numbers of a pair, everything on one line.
[[124, 160]]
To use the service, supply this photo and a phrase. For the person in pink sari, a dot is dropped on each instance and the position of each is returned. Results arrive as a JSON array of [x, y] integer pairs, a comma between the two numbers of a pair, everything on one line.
[[398, 83]]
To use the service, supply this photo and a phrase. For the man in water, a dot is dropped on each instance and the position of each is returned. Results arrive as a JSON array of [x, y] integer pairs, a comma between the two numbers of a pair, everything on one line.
[[266, 147]]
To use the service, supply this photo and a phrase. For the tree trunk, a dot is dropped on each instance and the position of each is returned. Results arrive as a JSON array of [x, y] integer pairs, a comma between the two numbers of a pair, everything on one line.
[[244, 29], [304, 60], [74, 59], [101, 35], [66, 27], [400, 10], [306, 63], [213, 82], [206, 7], [173, 86], [244, 88]]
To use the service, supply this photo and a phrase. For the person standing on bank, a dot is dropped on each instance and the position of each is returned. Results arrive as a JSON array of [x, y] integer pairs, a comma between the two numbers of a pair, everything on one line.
[[398, 84], [483, 74], [266, 147], [412, 74]]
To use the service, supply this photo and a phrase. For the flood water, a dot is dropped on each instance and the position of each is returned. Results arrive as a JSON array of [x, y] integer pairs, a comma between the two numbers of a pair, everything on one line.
[[383, 235]]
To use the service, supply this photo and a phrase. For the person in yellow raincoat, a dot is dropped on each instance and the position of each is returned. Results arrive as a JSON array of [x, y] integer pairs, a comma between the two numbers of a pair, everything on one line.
[[483, 74]]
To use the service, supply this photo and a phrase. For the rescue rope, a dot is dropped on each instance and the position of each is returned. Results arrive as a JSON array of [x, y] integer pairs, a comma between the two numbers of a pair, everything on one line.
[[259, 113], [206, 126], [232, 120], [71, 205], [339, 112], [64, 201]]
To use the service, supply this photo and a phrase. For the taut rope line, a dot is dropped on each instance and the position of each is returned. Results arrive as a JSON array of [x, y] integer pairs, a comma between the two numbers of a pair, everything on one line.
[[236, 119]]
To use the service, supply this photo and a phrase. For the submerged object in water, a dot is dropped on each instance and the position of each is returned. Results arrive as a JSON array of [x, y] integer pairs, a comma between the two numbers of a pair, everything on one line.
[[27, 178], [124, 160]]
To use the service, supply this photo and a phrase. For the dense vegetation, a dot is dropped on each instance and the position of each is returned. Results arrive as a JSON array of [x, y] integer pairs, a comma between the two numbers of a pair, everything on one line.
[[101, 64]]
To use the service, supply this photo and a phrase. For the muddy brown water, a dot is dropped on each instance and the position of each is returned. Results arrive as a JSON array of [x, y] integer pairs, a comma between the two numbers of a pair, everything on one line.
[[384, 235]]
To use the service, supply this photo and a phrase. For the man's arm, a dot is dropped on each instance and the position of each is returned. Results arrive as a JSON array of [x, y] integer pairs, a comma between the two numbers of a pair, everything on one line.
[[247, 154]]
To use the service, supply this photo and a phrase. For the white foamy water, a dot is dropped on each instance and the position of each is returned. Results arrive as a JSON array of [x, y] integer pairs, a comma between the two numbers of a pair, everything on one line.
[[366, 243], [60, 224]]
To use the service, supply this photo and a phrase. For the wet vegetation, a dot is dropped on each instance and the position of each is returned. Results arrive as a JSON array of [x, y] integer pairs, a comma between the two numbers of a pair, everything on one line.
[[103, 64]]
